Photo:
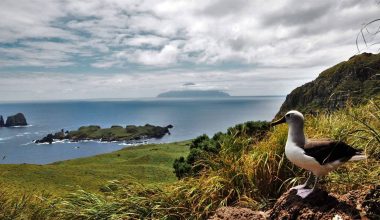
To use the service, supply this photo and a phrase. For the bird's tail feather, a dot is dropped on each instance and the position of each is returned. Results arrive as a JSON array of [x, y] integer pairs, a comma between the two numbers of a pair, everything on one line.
[[358, 156]]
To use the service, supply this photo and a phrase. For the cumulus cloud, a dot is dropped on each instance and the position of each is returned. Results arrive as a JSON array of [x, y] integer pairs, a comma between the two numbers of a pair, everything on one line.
[[234, 39]]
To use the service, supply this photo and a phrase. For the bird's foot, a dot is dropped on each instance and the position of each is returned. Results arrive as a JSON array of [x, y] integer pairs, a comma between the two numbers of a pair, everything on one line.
[[298, 187], [303, 193]]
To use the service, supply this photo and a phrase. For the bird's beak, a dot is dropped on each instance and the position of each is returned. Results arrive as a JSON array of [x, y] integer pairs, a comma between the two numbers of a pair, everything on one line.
[[280, 121]]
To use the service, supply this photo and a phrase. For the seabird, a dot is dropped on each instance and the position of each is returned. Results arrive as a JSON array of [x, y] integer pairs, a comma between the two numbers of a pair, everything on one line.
[[317, 156]]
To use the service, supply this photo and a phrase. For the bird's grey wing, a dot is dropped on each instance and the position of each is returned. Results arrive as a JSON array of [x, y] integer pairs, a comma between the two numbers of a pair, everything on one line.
[[329, 151]]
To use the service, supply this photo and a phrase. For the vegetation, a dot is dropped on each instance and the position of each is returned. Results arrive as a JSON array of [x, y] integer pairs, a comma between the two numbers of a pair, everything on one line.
[[245, 171], [356, 79], [202, 148], [147, 164]]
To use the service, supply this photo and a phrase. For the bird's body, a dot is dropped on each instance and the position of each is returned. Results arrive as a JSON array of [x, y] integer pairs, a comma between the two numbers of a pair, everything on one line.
[[297, 156], [320, 161], [317, 156]]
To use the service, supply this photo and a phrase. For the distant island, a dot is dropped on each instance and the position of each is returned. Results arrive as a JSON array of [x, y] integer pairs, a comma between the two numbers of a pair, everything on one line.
[[114, 133], [193, 94]]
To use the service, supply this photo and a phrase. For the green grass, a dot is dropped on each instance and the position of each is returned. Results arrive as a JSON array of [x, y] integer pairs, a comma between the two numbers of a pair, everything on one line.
[[148, 164]]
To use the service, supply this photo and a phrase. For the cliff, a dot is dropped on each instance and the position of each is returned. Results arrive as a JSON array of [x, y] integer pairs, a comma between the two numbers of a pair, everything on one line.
[[356, 79], [16, 120]]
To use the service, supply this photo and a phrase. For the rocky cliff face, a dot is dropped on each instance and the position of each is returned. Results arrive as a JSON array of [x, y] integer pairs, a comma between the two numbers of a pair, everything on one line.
[[357, 80], [16, 120]]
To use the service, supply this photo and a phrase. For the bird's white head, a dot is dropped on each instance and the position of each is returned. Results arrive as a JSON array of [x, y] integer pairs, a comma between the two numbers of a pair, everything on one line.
[[292, 117], [295, 120]]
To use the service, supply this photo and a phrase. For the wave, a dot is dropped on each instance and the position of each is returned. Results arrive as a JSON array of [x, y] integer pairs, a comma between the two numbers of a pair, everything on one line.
[[6, 138], [125, 144], [21, 126], [134, 143], [41, 143]]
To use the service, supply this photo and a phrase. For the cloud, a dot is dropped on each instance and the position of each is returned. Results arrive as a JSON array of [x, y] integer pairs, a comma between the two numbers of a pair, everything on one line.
[[148, 37], [165, 56]]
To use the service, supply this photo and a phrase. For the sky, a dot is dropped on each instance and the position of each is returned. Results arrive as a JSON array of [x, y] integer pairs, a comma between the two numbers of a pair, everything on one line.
[[86, 49]]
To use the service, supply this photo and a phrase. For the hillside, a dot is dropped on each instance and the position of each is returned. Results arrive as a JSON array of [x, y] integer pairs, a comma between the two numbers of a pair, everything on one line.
[[148, 164], [357, 79]]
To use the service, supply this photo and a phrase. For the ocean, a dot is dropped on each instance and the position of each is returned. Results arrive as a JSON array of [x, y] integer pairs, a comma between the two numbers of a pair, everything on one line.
[[190, 118]]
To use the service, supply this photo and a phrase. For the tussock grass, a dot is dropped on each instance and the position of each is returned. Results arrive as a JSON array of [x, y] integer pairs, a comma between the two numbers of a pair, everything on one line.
[[14, 206], [261, 172]]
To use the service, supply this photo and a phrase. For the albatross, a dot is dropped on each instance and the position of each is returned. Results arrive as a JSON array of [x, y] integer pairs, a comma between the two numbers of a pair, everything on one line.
[[317, 156]]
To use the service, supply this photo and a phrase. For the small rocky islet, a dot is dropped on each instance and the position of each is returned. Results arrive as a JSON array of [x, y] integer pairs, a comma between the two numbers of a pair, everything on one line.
[[13, 120], [114, 133]]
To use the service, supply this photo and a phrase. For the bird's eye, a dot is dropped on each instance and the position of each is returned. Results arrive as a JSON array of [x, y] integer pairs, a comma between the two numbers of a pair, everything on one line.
[[288, 115]]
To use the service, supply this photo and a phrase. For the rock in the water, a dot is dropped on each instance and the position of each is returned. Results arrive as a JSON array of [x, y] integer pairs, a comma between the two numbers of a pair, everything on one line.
[[48, 139], [357, 204], [2, 124], [16, 120], [232, 213]]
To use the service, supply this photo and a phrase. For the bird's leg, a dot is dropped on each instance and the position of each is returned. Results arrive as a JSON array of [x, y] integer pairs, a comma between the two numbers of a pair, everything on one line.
[[315, 183], [303, 193], [305, 184]]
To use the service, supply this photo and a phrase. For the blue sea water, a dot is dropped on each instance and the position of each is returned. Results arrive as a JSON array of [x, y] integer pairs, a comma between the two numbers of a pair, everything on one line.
[[190, 118]]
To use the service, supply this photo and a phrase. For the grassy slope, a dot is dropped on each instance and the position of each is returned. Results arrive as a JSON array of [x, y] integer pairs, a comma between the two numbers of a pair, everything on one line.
[[149, 164]]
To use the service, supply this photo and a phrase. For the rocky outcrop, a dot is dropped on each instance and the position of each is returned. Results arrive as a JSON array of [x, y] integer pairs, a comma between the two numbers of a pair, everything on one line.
[[357, 204], [16, 120], [48, 139], [115, 133], [357, 80], [2, 124]]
